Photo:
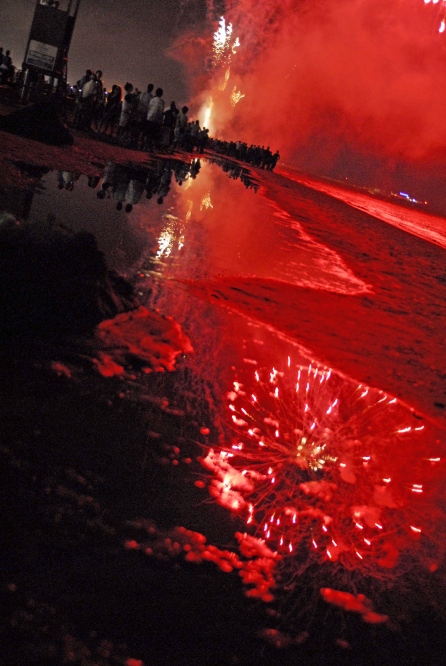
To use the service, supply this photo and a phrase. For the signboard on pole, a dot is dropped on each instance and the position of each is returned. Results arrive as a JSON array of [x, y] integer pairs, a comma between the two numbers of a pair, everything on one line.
[[50, 37], [42, 55]]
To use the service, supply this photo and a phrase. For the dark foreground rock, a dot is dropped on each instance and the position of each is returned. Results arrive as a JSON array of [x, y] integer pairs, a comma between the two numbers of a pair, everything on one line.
[[39, 122], [55, 283]]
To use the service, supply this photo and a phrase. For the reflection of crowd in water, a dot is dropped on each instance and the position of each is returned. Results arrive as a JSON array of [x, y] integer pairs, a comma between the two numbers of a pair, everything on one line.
[[258, 156], [235, 171], [126, 185]]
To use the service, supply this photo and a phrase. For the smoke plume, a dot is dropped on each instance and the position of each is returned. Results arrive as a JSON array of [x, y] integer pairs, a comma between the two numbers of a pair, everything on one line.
[[346, 88]]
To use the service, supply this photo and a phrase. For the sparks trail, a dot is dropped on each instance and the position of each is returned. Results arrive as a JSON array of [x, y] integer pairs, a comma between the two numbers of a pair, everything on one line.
[[319, 463]]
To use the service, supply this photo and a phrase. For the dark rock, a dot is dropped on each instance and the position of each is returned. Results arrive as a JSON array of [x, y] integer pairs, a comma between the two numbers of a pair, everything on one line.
[[55, 283], [39, 122]]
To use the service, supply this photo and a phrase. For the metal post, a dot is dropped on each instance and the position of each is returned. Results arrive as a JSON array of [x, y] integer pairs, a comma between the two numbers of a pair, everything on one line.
[[24, 93], [78, 2]]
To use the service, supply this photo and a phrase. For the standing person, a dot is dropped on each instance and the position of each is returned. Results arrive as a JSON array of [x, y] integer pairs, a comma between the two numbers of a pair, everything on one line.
[[170, 119], [140, 114], [154, 119], [86, 103], [126, 111], [274, 159], [99, 99], [202, 140], [112, 110], [180, 127], [77, 101], [5, 67], [187, 141], [85, 78], [194, 132], [143, 101]]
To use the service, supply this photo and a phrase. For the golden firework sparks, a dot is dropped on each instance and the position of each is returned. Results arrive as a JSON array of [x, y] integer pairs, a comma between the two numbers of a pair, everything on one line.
[[222, 38], [208, 112], [236, 96], [442, 11], [227, 75], [189, 212], [206, 201]]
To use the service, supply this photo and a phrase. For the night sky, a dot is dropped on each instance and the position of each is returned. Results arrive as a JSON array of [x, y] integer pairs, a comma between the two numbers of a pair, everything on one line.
[[127, 40]]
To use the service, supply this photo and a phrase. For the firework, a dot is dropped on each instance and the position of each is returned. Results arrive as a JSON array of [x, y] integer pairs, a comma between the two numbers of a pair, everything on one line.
[[319, 463], [236, 96], [227, 75], [222, 42], [224, 48]]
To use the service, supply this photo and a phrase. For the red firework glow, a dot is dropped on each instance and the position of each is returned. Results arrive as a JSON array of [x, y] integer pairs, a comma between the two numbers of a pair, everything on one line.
[[346, 89], [319, 463]]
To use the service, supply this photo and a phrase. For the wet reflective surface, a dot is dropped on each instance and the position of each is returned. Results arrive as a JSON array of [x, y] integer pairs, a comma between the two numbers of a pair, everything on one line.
[[161, 225], [190, 220]]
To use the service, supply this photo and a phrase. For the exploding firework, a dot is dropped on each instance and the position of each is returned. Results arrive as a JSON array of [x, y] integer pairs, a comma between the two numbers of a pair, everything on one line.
[[222, 42], [224, 48], [319, 464]]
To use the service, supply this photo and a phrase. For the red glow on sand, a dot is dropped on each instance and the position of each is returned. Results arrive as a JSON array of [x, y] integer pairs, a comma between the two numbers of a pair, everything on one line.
[[344, 513], [361, 78]]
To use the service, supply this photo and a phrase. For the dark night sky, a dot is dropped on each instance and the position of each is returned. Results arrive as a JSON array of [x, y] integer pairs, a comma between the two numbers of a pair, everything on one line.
[[127, 40]]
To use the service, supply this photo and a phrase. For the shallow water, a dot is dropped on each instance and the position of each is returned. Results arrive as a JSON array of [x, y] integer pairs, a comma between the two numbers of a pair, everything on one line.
[[207, 224], [174, 220]]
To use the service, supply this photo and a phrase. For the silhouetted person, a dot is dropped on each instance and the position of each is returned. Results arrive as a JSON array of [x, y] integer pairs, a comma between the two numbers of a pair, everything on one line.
[[180, 127], [140, 114], [86, 99], [112, 110], [5, 68], [126, 110], [99, 99]]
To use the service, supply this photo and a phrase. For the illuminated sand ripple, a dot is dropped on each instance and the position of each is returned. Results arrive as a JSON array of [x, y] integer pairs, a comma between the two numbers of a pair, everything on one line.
[[428, 227]]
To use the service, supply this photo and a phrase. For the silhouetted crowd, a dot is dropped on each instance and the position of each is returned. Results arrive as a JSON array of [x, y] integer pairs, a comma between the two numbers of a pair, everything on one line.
[[140, 121], [255, 155], [136, 119]]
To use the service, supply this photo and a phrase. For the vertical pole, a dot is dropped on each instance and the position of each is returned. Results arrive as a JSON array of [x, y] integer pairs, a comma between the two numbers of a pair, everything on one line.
[[24, 93], [78, 2], [29, 36]]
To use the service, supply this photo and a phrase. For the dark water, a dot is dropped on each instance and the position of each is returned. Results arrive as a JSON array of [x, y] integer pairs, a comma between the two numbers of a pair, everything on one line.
[[207, 218]]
